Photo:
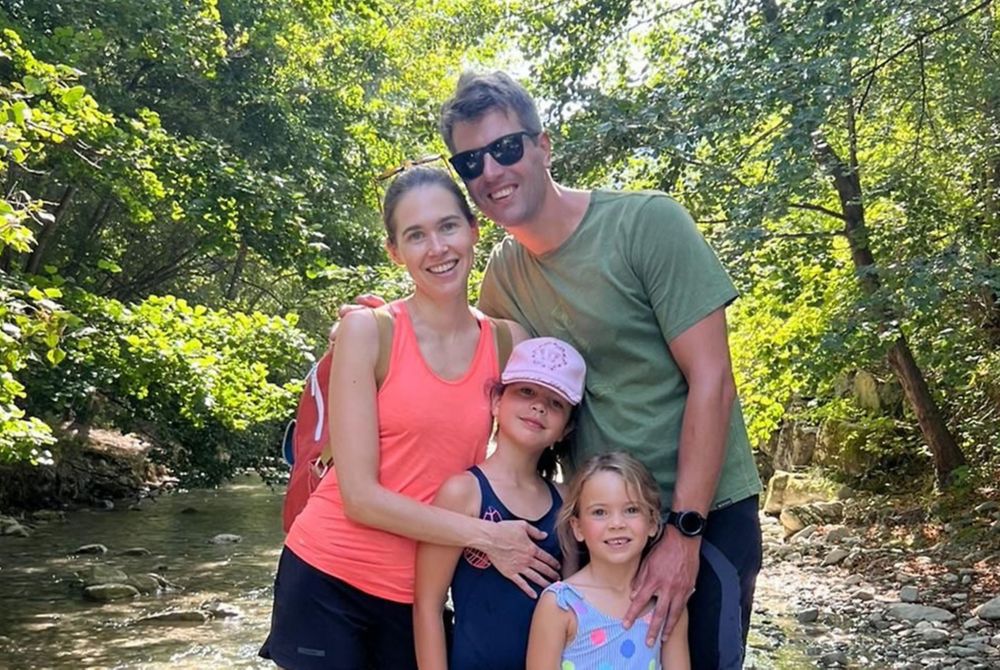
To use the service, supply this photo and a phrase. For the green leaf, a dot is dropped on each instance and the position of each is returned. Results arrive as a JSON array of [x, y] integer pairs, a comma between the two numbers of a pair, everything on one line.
[[72, 96], [33, 85], [55, 356]]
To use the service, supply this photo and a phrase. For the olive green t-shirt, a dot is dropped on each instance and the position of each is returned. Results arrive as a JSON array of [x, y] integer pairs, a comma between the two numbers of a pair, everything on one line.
[[635, 274]]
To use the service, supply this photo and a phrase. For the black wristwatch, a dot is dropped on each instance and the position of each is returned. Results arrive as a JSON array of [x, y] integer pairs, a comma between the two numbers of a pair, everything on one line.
[[688, 522]]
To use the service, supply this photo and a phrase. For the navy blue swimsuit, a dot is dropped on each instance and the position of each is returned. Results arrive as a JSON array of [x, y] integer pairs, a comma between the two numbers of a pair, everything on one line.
[[492, 615]]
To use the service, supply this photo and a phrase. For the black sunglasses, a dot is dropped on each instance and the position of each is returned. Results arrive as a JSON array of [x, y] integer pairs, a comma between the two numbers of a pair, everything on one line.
[[505, 150]]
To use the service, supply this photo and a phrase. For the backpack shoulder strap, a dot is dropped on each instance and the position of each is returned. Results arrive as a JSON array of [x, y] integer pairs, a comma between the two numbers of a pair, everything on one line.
[[384, 322], [504, 340]]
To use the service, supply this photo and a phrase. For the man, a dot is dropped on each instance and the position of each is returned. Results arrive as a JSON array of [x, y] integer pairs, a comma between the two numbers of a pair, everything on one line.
[[628, 280]]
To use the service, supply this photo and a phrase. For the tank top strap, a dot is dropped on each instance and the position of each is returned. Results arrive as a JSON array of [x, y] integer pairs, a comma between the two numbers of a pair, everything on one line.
[[556, 497], [489, 498], [568, 598]]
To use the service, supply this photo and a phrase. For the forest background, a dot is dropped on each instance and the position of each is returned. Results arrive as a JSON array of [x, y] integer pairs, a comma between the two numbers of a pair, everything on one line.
[[189, 193]]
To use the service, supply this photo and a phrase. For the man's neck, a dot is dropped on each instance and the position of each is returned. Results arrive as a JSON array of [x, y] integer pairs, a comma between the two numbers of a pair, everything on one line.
[[558, 219]]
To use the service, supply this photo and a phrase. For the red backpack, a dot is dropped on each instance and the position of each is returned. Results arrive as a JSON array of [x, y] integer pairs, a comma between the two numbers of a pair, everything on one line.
[[307, 445]]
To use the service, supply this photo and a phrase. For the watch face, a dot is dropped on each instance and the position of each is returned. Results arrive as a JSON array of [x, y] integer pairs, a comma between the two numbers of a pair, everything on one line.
[[690, 523]]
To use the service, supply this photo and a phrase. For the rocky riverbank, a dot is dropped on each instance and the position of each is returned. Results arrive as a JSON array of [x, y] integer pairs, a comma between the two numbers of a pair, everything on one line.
[[90, 467], [881, 595]]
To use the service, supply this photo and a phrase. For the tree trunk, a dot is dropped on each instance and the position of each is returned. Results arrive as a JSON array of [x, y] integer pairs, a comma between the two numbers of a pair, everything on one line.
[[48, 230], [945, 451], [234, 277], [947, 456]]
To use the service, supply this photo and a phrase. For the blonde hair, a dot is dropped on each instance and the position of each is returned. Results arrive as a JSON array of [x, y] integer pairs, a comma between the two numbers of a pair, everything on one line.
[[638, 482]]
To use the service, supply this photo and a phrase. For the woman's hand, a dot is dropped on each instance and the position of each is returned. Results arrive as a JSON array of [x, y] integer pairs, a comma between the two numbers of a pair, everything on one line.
[[513, 552]]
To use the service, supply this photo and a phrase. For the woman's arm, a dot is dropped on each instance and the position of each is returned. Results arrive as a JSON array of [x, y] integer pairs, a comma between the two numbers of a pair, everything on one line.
[[674, 654], [550, 631], [354, 435], [435, 570]]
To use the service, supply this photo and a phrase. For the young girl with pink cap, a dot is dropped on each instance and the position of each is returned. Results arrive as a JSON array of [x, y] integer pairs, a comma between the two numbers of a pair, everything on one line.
[[532, 404]]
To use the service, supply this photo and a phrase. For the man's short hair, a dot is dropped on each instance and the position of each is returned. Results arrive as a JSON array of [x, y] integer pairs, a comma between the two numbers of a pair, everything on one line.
[[477, 94]]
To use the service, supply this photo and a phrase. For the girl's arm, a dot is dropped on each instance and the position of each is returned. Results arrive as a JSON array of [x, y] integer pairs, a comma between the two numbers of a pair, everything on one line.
[[435, 570], [550, 631], [674, 654], [354, 435]]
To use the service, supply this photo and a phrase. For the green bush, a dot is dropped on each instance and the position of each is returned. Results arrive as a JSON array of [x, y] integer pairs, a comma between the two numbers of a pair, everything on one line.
[[213, 387]]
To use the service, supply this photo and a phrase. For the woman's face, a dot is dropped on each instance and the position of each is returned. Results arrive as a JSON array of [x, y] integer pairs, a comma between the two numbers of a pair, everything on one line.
[[433, 239]]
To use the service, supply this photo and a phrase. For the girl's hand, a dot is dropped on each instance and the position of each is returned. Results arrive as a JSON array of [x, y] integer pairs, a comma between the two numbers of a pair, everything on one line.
[[513, 552]]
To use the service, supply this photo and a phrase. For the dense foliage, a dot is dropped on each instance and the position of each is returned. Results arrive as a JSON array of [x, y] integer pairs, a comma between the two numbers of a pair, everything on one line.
[[841, 158]]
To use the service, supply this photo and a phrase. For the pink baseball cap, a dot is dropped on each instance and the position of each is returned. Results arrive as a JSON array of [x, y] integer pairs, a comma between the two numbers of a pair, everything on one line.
[[549, 362]]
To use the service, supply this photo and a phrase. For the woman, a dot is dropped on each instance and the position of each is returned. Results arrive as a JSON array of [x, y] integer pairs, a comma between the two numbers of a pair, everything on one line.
[[344, 588]]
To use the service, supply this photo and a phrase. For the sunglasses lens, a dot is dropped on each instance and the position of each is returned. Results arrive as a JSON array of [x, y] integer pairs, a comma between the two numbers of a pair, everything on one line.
[[468, 164], [508, 149]]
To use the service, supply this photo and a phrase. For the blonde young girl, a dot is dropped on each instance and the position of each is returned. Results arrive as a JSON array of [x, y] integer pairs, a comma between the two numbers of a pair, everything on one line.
[[541, 384], [610, 516]]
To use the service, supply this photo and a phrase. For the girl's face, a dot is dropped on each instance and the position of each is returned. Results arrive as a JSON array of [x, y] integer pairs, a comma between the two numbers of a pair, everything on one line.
[[531, 415], [611, 520], [433, 239]]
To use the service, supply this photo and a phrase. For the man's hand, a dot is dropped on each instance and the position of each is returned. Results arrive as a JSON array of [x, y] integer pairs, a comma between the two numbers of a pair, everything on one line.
[[668, 573], [363, 301], [519, 559]]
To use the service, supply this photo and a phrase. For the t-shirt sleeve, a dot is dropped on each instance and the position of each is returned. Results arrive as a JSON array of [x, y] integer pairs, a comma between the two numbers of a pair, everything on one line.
[[684, 279]]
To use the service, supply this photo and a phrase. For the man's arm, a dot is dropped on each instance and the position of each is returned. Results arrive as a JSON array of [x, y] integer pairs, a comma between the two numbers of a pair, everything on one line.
[[670, 570]]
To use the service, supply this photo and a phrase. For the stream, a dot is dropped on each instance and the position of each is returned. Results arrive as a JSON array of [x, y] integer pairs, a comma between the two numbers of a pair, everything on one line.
[[46, 623]]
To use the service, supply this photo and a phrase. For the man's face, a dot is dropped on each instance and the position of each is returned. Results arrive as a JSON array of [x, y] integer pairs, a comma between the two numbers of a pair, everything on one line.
[[511, 195]]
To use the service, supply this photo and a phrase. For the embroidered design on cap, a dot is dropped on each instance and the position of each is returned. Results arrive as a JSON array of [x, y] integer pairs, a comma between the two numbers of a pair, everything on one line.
[[551, 355]]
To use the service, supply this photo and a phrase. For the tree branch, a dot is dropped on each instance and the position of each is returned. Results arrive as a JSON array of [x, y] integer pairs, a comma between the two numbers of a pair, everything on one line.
[[922, 35]]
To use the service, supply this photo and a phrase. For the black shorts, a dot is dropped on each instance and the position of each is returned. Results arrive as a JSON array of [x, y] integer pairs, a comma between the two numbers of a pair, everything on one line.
[[719, 609], [320, 622]]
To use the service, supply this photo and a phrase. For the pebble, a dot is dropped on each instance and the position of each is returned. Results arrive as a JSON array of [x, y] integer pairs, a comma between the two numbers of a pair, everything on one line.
[[909, 594], [834, 557], [807, 615], [226, 538]]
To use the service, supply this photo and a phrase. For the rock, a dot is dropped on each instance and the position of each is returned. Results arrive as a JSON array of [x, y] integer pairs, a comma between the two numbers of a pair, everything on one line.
[[221, 610], [934, 635], [791, 522], [90, 549], [49, 515], [103, 574], [189, 510], [864, 595], [226, 538], [913, 612], [176, 616], [909, 594], [144, 583], [164, 583], [13, 528], [974, 623], [135, 551], [786, 489], [794, 446], [807, 615], [109, 592], [834, 557], [853, 580], [834, 658], [837, 534], [104, 504], [866, 391], [989, 611], [804, 534]]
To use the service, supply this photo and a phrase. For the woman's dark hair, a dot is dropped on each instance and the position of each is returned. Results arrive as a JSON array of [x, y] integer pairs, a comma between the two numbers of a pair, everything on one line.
[[415, 178], [552, 458]]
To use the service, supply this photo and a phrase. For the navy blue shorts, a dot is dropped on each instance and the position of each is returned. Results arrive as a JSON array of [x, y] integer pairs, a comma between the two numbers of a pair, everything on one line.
[[320, 622], [719, 609]]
